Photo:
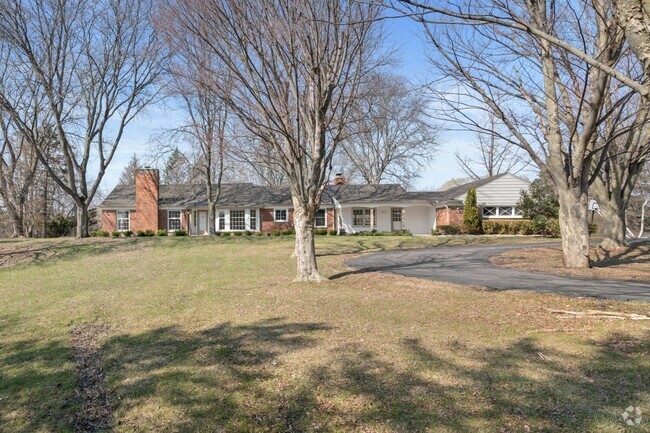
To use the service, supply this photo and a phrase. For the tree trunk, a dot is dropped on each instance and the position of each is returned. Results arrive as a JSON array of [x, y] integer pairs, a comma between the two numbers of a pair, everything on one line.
[[642, 218], [212, 214], [82, 220], [574, 228], [305, 250], [17, 223], [613, 227]]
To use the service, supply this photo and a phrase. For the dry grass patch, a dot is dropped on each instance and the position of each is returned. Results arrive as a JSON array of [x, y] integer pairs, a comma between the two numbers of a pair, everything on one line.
[[211, 335], [631, 263]]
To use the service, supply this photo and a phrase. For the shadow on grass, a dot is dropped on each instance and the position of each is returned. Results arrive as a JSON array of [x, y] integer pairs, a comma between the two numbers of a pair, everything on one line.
[[244, 378], [636, 253]]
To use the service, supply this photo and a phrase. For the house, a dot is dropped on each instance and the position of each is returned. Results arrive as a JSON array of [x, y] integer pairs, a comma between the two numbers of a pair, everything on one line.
[[147, 205]]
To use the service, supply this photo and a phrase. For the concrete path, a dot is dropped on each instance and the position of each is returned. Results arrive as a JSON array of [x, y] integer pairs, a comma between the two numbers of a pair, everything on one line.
[[470, 266]]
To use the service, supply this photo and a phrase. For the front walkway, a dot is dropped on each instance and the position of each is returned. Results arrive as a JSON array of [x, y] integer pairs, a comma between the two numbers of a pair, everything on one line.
[[470, 266]]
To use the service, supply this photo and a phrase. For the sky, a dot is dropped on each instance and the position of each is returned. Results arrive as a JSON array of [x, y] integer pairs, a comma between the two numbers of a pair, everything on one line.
[[403, 35]]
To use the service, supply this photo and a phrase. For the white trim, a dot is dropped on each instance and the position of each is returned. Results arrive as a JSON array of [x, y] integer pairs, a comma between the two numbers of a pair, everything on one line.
[[324, 226], [117, 220], [498, 215], [286, 210], [180, 219]]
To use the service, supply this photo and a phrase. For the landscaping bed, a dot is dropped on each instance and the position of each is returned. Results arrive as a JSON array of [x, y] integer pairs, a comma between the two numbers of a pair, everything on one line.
[[630, 263]]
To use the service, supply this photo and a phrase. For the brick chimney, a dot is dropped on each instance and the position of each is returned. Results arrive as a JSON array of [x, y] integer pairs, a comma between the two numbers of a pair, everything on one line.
[[339, 179], [147, 181]]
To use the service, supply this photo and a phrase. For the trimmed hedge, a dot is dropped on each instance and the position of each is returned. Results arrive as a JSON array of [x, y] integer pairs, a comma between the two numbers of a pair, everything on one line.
[[180, 233], [540, 226], [100, 234]]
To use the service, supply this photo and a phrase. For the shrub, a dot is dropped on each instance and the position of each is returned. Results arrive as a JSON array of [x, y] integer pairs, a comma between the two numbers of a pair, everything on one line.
[[237, 233], [320, 232], [331, 232], [128, 233], [99, 234], [276, 232], [259, 234], [540, 199], [141, 234], [553, 228], [60, 226], [248, 233], [218, 233], [593, 228], [180, 233], [435, 232], [342, 232], [161, 233], [471, 219], [288, 232], [449, 230], [116, 234]]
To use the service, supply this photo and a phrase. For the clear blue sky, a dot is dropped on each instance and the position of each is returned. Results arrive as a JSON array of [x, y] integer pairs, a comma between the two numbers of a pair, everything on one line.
[[403, 35]]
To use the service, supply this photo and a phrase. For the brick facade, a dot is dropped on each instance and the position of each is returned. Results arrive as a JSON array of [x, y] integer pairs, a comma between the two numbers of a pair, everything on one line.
[[109, 220], [451, 216], [146, 200], [267, 223]]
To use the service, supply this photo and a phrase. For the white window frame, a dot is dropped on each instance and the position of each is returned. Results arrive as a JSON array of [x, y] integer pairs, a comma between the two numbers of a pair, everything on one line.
[[366, 212], [286, 215], [324, 219], [180, 219], [502, 212], [249, 217], [247, 220], [117, 220]]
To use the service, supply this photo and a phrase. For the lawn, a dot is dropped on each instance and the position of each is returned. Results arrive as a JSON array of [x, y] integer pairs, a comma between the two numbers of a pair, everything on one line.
[[210, 335]]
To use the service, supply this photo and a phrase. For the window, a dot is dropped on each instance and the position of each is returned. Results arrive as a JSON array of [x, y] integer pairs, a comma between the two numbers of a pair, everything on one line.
[[222, 220], [502, 212], [321, 218], [280, 215], [397, 215], [361, 217], [253, 220], [237, 220], [173, 220], [489, 211], [123, 220]]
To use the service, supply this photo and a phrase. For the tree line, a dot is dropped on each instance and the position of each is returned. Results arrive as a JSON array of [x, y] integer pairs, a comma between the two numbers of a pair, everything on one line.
[[290, 90]]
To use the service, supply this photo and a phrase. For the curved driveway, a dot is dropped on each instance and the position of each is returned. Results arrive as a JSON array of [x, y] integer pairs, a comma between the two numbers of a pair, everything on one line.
[[470, 266]]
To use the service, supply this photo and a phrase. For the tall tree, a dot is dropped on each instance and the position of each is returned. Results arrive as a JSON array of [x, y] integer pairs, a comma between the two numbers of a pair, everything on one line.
[[491, 155], [177, 169], [128, 172], [296, 69], [391, 137], [550, 101], [95, 63]]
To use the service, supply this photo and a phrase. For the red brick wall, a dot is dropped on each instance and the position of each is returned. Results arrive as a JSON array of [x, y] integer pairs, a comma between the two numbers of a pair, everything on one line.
[[146, 200], [452, 216], [109, 220], [162, 219], [330, 219], [267, 223]]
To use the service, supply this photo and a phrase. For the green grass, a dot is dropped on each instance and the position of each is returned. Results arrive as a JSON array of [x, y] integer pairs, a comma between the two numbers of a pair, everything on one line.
[[211, 335]]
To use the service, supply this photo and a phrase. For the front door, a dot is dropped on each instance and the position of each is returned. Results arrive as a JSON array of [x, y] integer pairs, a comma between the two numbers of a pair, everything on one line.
[[203, 223], [396, 218]]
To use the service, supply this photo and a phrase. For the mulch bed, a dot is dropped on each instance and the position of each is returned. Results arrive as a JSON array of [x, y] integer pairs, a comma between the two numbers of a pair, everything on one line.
[[92, 394]]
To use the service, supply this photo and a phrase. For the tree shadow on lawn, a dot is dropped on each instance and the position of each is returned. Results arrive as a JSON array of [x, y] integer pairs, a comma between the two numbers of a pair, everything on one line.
[[636, 253], [241, 378], [251, 378]]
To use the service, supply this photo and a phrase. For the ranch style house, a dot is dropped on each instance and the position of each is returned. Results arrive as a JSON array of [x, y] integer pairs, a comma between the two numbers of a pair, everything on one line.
[[147, 205]]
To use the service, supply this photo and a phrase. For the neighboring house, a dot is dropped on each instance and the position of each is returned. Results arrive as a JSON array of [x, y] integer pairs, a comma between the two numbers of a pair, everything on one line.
[[147, 205]]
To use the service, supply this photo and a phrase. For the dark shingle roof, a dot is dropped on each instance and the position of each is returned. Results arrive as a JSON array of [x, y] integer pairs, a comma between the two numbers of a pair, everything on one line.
[[249, 195], [246, 194]]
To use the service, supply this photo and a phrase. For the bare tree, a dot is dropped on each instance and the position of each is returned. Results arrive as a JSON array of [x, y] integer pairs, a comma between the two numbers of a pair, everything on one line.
[[391, 137], [253, 160], [490, 155], [296, 69], [551, 101], [128, 173], [206, 130], [95, 63]]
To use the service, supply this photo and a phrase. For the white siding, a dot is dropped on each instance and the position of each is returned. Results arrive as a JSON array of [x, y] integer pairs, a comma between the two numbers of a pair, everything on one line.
[[419, 220], [504, 191]]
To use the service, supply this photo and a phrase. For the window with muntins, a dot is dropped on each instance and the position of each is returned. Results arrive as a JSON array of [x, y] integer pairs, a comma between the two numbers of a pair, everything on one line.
[[222, 220], [321, 218], [237, 220], [361, 217], [280, 215], [253, 219], [502, 212], [173, 220], [123, 220], [397, 215]]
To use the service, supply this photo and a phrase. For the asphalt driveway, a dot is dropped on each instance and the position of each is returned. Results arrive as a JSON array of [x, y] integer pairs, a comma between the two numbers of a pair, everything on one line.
[[470, 266]]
